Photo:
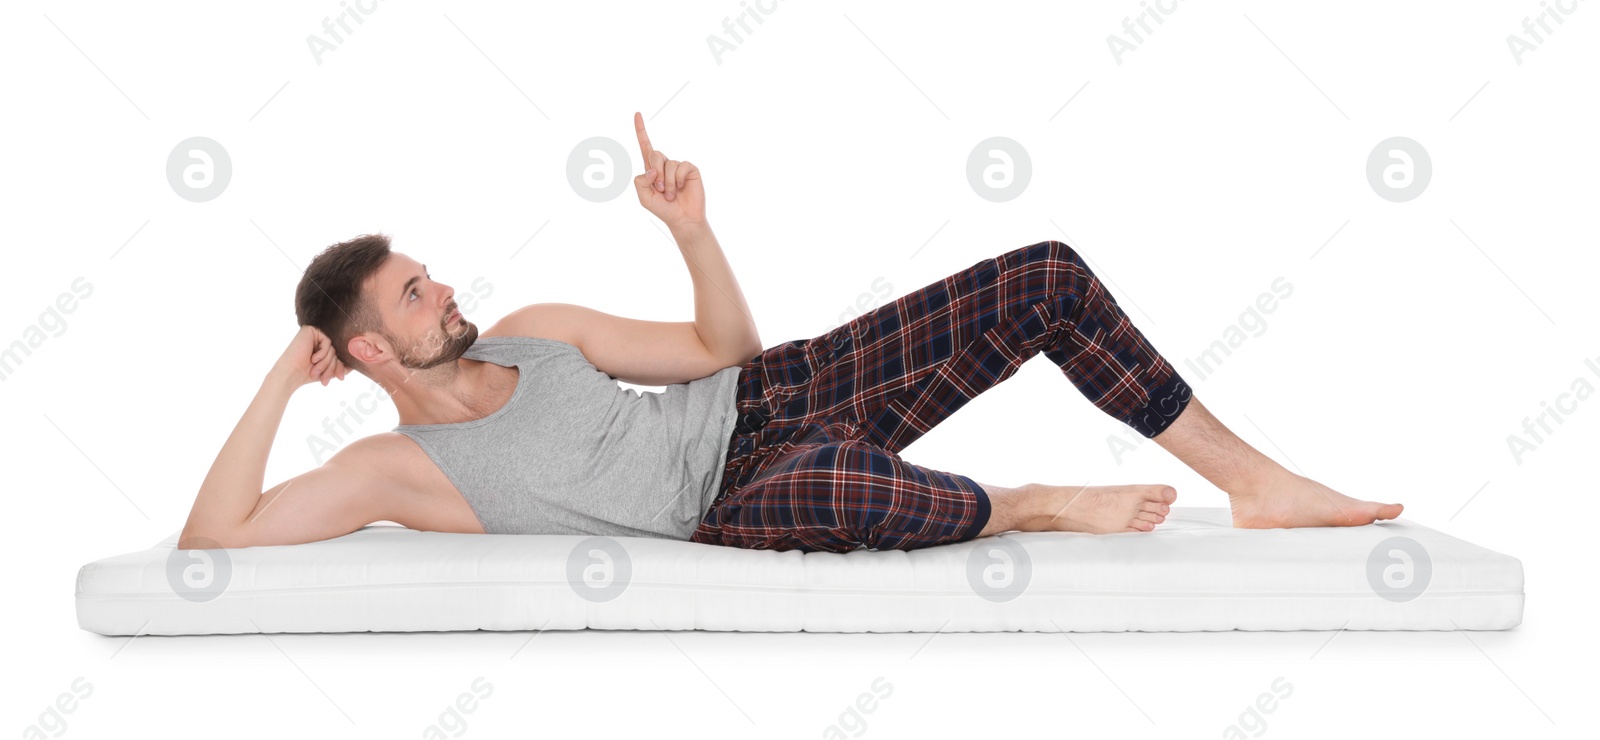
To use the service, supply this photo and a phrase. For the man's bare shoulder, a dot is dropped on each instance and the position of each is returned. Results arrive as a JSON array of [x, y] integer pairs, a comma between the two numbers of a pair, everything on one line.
[[391, 458], [540, 321], [390, 453]]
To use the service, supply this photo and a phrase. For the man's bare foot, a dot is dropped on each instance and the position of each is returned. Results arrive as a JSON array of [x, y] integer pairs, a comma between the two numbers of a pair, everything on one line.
[[1103, 509], [1287, 500]]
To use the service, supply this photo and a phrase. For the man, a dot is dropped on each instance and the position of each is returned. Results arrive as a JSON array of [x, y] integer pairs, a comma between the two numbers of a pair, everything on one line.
[[795, 446]]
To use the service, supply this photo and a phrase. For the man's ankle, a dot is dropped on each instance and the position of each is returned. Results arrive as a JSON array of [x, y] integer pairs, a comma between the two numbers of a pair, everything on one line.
[[1257, 483]]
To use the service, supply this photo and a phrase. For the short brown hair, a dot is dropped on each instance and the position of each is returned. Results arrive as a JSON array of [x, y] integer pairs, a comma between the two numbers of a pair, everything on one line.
[[330, 298]]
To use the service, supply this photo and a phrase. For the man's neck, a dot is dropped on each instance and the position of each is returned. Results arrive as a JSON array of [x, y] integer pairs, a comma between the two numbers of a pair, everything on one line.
[[449, 393]]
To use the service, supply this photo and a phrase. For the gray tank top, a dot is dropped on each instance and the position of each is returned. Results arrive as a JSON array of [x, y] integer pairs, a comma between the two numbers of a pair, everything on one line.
[[573, 452]]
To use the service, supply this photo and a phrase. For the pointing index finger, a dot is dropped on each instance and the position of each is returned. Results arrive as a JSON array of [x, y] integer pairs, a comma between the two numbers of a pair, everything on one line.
[[644, 139]]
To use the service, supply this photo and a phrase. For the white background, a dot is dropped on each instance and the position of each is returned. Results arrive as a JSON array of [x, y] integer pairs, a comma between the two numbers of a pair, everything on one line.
[[1223, 153]]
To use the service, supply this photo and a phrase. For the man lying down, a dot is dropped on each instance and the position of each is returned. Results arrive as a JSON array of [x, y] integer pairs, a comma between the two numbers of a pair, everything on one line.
[[522, 429]]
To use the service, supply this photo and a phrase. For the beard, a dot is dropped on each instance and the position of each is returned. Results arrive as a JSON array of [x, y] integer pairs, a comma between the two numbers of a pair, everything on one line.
[[437, 347]]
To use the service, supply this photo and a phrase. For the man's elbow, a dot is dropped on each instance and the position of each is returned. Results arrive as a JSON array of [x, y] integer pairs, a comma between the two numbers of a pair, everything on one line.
[[209, 538], [214, 534], [743, 358]]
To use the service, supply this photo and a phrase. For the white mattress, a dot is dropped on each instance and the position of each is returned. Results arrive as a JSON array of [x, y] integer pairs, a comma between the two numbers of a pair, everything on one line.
[[1195, 572]]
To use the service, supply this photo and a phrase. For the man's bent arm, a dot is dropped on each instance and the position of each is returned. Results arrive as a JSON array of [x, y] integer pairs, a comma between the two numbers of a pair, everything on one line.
[[234, 484], [721, 316]]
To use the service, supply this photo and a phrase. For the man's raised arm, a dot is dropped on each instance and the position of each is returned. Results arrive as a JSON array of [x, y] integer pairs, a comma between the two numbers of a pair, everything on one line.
[[232, 489], [673, 191], [721, 316]]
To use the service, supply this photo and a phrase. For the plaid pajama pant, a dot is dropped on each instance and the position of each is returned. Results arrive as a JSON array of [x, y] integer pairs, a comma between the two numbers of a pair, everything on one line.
[[814, 464]]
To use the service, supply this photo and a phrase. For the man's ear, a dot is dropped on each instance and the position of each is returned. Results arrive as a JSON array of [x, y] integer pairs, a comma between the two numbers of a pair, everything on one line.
[[365, 350]]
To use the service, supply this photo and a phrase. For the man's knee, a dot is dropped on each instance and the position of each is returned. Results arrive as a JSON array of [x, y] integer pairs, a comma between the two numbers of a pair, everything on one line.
[[1055, 256]]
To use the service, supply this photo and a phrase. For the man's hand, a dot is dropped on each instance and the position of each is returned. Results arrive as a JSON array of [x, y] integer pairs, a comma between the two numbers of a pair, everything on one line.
[[310, 357], [670, 189]]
